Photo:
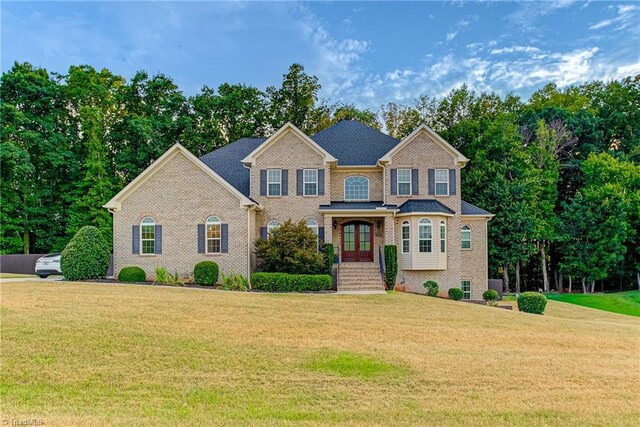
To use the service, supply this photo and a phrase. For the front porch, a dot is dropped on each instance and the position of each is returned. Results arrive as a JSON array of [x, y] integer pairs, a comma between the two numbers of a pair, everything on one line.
[[359, 231]]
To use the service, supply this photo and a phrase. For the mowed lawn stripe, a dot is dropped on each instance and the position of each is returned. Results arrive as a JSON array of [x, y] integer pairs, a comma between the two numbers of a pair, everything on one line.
[[86, 354]]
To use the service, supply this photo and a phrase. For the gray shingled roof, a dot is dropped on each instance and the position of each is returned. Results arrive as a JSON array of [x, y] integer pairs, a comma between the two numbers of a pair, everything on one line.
[[424, 206], [469, 209], [227, 162], [353, 143], [356, 205]]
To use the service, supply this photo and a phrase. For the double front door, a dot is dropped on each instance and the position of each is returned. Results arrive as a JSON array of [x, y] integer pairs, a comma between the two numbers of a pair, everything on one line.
[[357, 242]]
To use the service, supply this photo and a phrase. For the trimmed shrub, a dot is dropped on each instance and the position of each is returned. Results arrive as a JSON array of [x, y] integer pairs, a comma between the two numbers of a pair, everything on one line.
[[456, 294], [532, 302], [86, 256], [490, 295], [132, 274], [234, 282], [206, 273], [329, 257], [431, 287], [390, 265], [283, 282], [291, 248]]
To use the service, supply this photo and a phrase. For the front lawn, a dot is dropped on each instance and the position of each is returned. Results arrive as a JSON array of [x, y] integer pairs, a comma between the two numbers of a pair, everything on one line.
[[106, 354], [619, 302]]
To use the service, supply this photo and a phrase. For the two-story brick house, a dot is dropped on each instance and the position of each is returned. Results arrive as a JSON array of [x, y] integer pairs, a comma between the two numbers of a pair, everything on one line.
[[354, 186]]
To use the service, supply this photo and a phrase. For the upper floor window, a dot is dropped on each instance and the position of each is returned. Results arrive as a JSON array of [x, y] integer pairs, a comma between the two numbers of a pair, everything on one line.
[[443, 236], [214, 235], [404, 182], [356, 188], [442, 182], [148, 235], [425, 235], [274, 182], [406, 237], [465, 237], [272, 225], [310, 179]]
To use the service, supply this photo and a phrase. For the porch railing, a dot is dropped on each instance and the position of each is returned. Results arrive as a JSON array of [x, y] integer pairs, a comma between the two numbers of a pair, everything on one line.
[[381, 262]]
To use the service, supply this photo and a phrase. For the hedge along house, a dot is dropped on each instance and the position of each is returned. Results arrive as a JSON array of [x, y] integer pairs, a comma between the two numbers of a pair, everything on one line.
[[356, 187]]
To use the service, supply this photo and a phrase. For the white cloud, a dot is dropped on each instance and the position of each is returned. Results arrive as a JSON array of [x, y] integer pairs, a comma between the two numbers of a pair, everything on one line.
[[451, 36], [626, 14], [515, 49]]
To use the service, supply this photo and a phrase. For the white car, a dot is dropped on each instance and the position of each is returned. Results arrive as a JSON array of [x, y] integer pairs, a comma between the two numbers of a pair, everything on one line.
[[47, 265]]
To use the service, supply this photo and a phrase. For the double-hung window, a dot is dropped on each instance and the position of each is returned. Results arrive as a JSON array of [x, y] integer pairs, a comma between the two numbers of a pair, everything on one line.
[[148, 235], [310, 180], [214, 236], [272, 225], [404, 182], [274, 182], [465, 285], [442, 182], [406, 237], [465, 237], [425, 235]]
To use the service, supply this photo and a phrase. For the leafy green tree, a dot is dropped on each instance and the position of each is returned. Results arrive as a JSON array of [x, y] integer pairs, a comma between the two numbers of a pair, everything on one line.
[[295, 100], [399, 120]]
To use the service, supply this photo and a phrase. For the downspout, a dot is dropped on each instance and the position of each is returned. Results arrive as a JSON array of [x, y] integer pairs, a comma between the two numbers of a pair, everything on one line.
[[384, 186], [249, 209]]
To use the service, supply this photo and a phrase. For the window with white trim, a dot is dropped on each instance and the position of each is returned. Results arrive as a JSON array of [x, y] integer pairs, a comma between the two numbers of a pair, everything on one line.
[[406, 237], [465, 285], [148, 235], [356, 188], [404, 182], [274, 182], [442, 182], [272, 225], [213, 235], [425, 235], [465, 237], [443, 236], [310, 182], [313, 225]]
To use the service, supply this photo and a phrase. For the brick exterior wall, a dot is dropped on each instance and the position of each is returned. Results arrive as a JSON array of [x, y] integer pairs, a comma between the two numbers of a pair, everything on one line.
[[178, 196], [475, 261], [291, 152]]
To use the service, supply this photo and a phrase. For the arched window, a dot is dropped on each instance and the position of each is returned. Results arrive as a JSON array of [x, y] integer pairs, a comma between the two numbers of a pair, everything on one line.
[[313, 225], [356, 188], [272, 225], [465, 237], [425, 233], [406, 237], [443, 236], [213, 235], [148, 235]]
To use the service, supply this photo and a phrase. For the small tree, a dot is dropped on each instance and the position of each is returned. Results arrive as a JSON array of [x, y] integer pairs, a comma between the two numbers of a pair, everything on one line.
[[432, 288], [86, 256], [290, 248], [391, 265]]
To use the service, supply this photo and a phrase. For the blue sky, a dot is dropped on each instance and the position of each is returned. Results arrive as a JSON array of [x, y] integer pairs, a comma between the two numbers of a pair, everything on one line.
[[364, 53]]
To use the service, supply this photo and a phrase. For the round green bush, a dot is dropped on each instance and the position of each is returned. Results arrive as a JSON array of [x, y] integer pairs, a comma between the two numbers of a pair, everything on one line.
[[431, 287], [532, 302], [490, 295], [86, 256], [206, 273], [456, 294], [132, 274]]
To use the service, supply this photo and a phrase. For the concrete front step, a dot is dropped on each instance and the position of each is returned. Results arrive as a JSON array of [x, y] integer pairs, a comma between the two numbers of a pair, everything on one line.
[[360, 277]]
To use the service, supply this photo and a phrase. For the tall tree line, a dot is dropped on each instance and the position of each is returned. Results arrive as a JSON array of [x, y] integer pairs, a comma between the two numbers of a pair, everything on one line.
[[559, 170]]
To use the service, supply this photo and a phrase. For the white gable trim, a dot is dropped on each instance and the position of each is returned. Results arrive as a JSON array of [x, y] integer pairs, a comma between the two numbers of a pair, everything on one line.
[[251, 158], [459, 157], [115, 202]]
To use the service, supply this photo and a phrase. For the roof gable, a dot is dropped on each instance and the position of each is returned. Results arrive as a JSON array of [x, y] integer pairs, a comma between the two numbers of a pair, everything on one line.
[[250, 159], [458, 156], [176, 149]]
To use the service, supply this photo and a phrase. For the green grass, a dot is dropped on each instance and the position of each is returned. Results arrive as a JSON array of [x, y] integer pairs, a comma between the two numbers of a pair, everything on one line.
[[82, 354], [16, 276], [619, 302]]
